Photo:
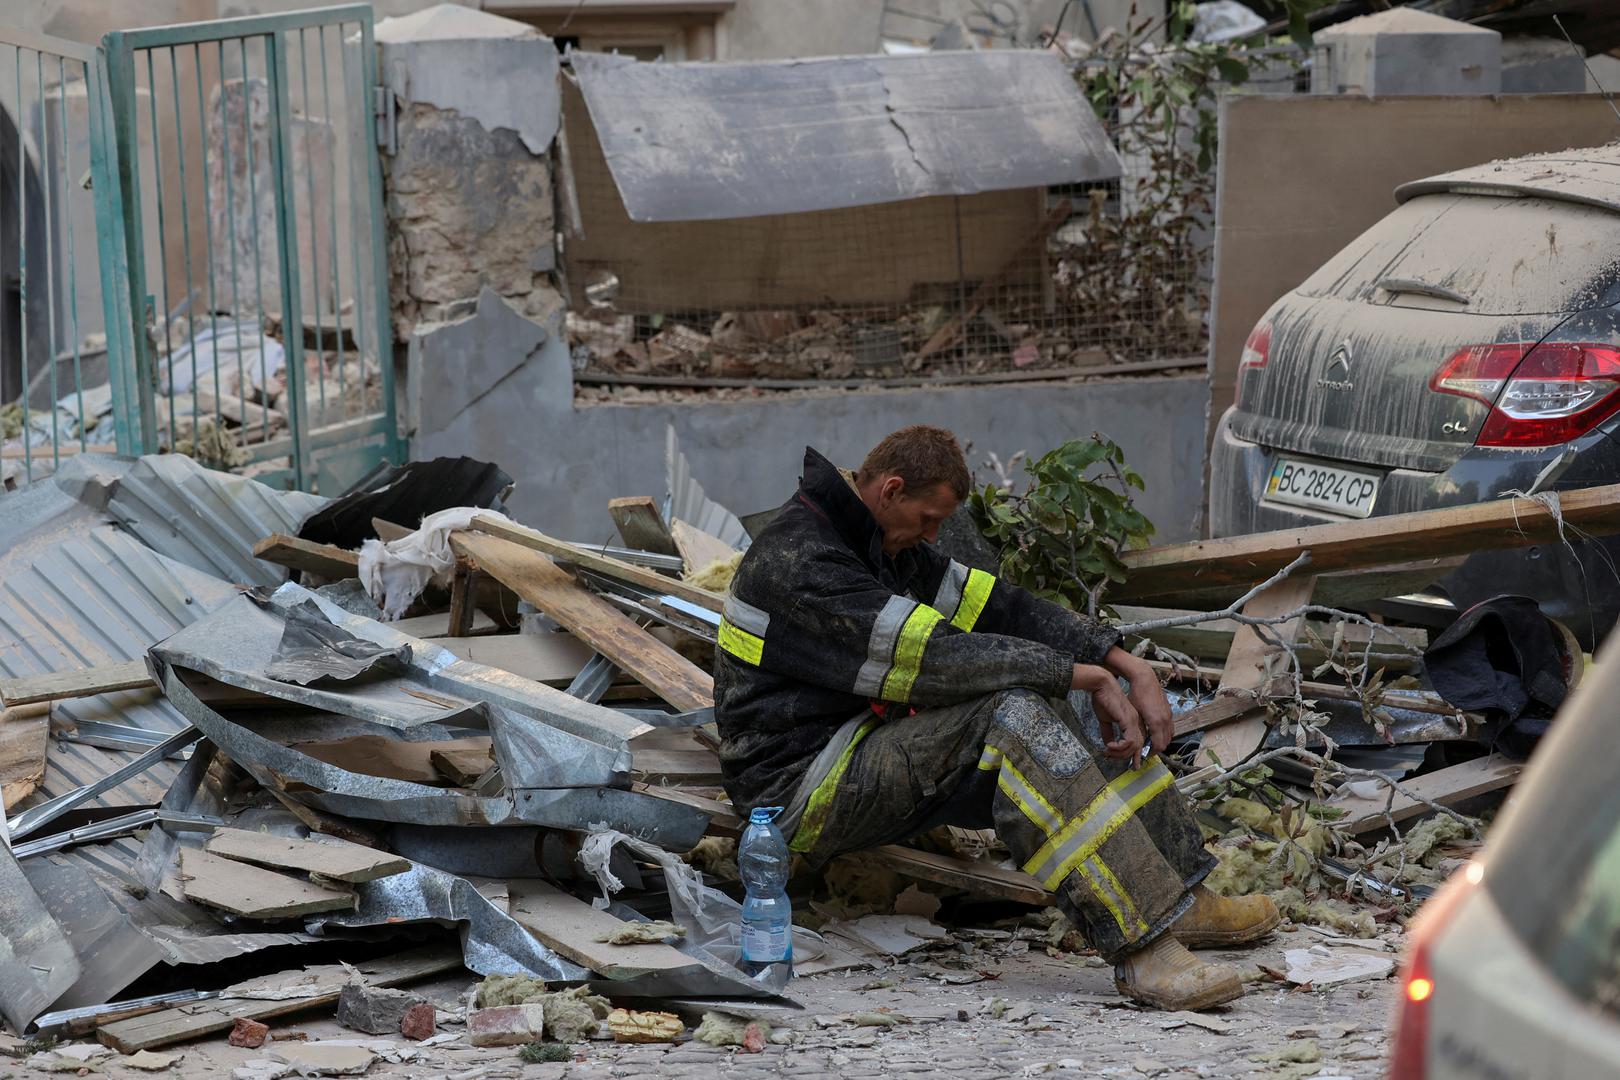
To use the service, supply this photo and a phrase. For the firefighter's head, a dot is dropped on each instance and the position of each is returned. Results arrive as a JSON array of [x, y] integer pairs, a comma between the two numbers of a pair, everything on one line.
[[911, 482]]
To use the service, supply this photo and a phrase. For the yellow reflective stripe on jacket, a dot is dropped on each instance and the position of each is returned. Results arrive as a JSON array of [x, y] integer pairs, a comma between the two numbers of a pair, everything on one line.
[[908, 652], [1088, 830], [881, 644], [748, 648], [975, 594], [1023, 794], [815, 811], [1107, 888]]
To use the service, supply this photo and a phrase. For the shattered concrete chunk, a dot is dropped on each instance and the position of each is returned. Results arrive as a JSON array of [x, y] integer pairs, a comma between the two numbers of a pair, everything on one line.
[[248, 1033], [507, 1025], [376, 1010]]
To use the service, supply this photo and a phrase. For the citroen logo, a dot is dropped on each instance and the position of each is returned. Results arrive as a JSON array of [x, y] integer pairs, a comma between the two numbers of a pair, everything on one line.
[[1336, 376]]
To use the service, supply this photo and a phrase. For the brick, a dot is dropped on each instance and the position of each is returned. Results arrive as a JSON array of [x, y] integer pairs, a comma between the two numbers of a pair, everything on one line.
[[418, 1022], [249, 1033], [376, 1010], [506, 1025]]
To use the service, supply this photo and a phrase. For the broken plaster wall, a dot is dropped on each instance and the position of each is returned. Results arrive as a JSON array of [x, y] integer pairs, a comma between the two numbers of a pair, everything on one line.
[[468, 187], [499, 387]]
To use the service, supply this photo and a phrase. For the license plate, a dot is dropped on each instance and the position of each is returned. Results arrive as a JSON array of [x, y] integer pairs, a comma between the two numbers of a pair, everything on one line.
[[1347, 492]]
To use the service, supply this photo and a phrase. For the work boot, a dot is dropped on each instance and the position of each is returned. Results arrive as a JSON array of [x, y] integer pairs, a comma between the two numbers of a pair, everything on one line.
[[1165, 975], [1218, 921]]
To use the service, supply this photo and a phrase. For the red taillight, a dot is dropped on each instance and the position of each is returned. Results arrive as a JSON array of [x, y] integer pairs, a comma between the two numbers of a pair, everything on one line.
[[1540, 395], [1256, 351], [1408, 1058]]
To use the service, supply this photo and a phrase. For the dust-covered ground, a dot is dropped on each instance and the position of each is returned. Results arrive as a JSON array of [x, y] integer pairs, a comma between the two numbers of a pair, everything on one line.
[[968, 1008]]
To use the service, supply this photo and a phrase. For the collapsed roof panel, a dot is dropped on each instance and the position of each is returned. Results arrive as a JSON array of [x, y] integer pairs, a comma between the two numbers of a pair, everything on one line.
[[706, 141]]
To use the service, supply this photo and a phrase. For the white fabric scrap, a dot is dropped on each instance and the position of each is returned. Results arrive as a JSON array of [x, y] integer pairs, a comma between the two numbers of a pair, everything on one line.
[[394, 574]]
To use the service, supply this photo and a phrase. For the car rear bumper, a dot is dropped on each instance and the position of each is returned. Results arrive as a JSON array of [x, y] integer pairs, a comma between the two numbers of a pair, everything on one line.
[[1576, 583]]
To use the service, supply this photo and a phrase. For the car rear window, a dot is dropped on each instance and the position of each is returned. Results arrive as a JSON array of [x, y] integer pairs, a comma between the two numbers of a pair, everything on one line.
[[1504, 256], [1554, 866]]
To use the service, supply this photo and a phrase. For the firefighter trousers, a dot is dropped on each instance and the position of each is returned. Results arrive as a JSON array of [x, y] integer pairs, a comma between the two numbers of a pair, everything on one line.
[[1116, 845]]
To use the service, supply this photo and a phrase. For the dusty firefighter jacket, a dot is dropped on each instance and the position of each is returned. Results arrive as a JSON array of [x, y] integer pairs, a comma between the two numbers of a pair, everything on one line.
[[820, 624]]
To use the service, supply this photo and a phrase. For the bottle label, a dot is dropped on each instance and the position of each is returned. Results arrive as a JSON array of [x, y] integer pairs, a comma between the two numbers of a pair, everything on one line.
[[766, 944]]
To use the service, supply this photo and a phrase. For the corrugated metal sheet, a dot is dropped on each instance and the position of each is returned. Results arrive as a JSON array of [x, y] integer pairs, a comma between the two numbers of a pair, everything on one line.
[[205, 519], [689, 502], [80, 597], [708, 141]]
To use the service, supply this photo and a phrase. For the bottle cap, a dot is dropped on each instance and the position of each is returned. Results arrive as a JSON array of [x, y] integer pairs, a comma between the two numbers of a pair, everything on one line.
[[763, 815]]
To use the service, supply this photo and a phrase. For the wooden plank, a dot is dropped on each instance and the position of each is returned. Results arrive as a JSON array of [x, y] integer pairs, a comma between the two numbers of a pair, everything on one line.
[[698, 548], [571, 927], [641, 525], [1231, 742], [601, 564], [593, 620], [322, 822], [1162, 572], [253, 893], [547, 658], [1213, 640], [437, 625], [692, 766], [387, 531], [324, 559], [84, 682], [461, 600], [1213, 712], [24, 737], [385, 755], [337, 860], [463, 768], [979, 878], [1447, 786], [723, 819], [198, 1019]]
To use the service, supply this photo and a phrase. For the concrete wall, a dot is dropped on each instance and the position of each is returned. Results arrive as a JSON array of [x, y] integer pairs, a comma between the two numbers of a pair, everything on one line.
[[509, 399]]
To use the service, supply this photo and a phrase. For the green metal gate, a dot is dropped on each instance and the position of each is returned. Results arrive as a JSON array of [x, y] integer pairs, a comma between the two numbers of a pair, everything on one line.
[[252, 231], [61, 387]]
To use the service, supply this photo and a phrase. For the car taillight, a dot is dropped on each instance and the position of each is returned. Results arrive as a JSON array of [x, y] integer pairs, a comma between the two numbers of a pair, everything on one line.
[[1256, 351], [1408, 1059], [1540, 395]]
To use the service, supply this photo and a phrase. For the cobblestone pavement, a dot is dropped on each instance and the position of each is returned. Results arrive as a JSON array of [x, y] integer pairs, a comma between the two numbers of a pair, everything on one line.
[[1057, 1016]]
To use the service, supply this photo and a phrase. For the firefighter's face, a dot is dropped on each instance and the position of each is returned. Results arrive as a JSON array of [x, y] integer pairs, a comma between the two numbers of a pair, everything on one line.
[[908, 518]]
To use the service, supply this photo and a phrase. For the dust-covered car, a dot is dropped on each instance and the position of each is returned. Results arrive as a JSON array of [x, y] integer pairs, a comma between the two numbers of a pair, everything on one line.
[[1465, 346]]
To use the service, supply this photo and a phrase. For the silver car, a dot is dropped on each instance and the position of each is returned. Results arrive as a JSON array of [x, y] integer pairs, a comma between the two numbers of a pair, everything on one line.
[[1513, 970], [1465, 346]]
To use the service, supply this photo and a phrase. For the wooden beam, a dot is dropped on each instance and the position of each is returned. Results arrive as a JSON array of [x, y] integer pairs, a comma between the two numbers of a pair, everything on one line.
[[571, 926], [253, 893], [601, 564], [723, 819], [1213, 640], [331, 858], [461, 599], [593, 620], [198, 1019], [463, 768], [24, 737], [1161, 573], [84, 682], [324, 559], [970, 875], [640, 524], [1448, 786], [1230, 742], [689, 766]]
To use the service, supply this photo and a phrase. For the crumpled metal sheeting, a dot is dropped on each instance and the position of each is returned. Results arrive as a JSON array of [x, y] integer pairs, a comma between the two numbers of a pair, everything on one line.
[[37, 965], [205, 519], [688, 501], [236, 644], [339, 791], [492, 942], [86, 596]]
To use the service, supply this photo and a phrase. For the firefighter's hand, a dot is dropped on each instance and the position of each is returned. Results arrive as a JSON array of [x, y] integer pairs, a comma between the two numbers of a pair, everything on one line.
[[1146, 695], [1115, 713]]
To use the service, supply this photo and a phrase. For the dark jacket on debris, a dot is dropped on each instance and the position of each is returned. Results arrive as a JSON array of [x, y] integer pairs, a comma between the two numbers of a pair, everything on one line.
[[820, 624]]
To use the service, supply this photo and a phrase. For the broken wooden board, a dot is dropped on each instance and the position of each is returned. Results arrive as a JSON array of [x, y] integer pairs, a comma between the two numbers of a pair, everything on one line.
[[570, 927], [1163, 573], [384, 755], [253, 893], [641, 526], [1231, 742], [437, 625], [723, 819], [24, 737], [324, 559], [969, 875], [682, 766], [84, 682], [197, 1019], [547, 658], [534, 577], [1364, 813], [699, 549], [638, 576], [331, 858], [1212, 640], [463, 768]]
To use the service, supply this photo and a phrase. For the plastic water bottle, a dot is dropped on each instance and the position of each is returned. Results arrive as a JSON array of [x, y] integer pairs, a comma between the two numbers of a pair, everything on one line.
[[767, 915]]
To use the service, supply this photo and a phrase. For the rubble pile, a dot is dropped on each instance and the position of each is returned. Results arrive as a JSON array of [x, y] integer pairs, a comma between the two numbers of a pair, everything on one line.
[[215, 743]]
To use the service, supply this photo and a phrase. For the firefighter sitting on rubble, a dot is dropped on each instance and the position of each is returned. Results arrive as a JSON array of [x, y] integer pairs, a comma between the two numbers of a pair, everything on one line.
[[877, 689]]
